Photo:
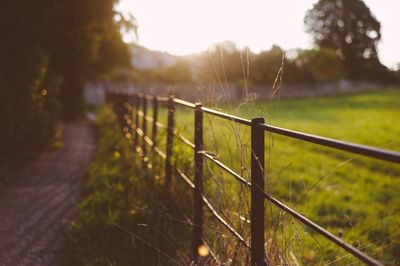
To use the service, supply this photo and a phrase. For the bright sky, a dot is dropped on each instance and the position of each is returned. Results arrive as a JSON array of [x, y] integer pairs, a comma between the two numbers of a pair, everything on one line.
[[188, 26]]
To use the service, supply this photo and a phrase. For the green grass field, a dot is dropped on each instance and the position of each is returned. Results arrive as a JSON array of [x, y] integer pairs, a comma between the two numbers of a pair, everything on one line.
[[123, 214], [355, 197]]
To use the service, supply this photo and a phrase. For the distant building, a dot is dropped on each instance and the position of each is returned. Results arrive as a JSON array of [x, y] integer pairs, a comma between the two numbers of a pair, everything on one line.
[[143, 58]]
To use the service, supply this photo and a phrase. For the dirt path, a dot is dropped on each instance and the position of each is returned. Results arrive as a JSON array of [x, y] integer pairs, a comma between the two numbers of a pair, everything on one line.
[[36, 204]]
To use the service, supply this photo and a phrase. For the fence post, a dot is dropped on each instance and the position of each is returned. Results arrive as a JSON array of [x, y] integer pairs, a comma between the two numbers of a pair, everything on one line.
[[198, 182], [137, 108], [257, 215], [170, 137], [155, 117], [144, 129]]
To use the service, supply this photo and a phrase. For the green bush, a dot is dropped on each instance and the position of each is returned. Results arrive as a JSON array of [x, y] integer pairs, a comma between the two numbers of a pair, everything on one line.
[[49, 49], [29, 108]]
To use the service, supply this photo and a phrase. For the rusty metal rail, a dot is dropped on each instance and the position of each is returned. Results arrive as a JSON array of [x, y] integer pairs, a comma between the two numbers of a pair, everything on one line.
[[256, 184]]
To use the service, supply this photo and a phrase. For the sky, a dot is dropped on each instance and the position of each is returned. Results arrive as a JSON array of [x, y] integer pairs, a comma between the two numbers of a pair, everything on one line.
[[183, 27]]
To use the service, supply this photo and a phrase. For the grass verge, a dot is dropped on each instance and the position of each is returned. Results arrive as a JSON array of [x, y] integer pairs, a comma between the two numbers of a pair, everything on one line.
[[124, 219], [123, 214]]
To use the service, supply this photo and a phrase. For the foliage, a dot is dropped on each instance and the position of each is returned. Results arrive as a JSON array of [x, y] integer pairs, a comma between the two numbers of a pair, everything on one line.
[[349, 27], [48, 50], [178, 73], [266, 65], [91, 46], [223, 62], [323, 64], [307, 66], [397, 72], [122, 218], [345, 25], [29, 88], [226, 63]]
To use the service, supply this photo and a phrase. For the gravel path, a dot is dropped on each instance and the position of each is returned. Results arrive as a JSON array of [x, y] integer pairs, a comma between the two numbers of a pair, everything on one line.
[[36, 205]]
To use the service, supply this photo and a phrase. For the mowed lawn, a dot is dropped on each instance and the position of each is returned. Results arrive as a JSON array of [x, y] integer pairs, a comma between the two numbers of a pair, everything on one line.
[[355, 197]]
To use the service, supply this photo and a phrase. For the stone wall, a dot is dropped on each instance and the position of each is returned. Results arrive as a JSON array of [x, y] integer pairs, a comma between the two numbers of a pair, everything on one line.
[[94, 92]]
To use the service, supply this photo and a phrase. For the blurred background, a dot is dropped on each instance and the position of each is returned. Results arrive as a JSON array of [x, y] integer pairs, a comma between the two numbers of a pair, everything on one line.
[[52, 50], [323, 67]]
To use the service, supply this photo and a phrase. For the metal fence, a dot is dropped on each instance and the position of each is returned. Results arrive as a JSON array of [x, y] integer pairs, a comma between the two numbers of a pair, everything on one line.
[[136, 104]]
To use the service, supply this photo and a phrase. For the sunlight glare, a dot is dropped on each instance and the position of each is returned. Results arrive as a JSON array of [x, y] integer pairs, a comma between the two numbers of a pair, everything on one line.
[[183, 27]]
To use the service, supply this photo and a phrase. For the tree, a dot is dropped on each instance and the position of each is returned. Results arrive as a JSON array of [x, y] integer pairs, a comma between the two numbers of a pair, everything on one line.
[[323, 64], [48, 49], [397, 72], [266, 65], [222, 63], [91, 44], [349, 27], [177, 73]]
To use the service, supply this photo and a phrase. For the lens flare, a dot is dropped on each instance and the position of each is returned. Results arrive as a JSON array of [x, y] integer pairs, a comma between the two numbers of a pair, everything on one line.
[[203, 251]]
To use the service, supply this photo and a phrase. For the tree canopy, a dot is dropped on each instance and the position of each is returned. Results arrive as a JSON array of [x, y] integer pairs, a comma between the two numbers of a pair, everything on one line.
[[48, 50], [349, 27], [346, 25]]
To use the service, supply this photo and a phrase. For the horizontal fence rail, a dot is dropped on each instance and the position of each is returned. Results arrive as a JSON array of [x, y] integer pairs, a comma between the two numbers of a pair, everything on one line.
[[373, 152], [135, 106]]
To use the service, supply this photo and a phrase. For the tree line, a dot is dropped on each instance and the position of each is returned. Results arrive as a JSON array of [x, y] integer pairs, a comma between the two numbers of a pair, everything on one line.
[[345, 34]]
